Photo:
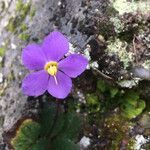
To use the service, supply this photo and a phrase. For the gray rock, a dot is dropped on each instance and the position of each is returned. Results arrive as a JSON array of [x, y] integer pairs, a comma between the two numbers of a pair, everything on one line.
[[30, 21]]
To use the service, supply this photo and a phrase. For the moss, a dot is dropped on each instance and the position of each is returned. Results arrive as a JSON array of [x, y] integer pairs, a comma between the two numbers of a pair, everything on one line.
[[15, 22], [119, 48], [131, 144], [32, 12], [24, 27], [22, 8], [25, 10], [24, 36], [11, 25], [116, 128], [132, 105], [2, 51], [109, 97], [19, 5], [93, 103]]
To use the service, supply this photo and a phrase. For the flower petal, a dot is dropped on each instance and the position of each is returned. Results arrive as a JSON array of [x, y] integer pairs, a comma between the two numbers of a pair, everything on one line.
[[73, 65], [33, 57], [63, 86], [55, 46], [36, 83]]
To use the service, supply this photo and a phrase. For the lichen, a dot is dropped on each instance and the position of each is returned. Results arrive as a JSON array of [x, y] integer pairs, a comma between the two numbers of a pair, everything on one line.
[[119, 48], [129, 83], [124, 6], [146, 64], [118, 26]]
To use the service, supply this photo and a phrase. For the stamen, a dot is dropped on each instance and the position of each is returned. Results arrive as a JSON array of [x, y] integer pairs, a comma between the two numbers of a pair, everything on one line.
[[55, 80], [51, 67]]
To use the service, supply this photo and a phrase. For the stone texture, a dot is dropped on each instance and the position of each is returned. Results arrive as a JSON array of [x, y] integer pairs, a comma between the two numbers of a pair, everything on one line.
[[66, 16], [80, 20]]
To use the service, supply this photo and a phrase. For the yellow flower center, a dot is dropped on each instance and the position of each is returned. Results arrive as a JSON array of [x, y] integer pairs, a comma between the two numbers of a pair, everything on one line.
[[51, 67]]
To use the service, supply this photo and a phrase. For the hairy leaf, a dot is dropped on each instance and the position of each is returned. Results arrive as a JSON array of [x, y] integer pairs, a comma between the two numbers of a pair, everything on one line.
[[26, 136]]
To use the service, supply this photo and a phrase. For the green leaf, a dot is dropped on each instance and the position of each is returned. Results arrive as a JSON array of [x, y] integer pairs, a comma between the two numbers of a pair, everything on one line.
[[26, 136], [59, 124], [131, 95], [41, 145], [72, 126], [131, 110], [93, 103], [47, 119], [55, 129], [64, 144], [92, 99], [101, 85], [113, 91]]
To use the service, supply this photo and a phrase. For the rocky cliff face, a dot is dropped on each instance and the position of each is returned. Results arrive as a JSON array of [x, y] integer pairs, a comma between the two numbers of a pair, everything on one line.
[[114, 43], [26, 21]]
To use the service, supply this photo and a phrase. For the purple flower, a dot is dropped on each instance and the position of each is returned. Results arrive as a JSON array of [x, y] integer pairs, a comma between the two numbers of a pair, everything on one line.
[[52, 72]]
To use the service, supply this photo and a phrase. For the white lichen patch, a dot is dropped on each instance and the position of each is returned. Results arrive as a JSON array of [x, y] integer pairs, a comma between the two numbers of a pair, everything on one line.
[[13, 46], [146, 64], [118, 26], [140, 140], [87, 52], [72, 49], [1, 77], [124, 6], [84, 142], [129, 83], [1, 59], [93, 65], [119, 48]]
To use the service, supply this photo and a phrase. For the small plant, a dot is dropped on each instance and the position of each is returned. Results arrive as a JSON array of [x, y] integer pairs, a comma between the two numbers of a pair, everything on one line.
[[54, 130], [132, 105], [107, 98], [93, 103], [112, 108]]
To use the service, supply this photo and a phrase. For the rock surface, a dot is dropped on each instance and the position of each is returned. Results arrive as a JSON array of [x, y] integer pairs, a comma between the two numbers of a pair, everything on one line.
[[26, 21], [84, 23]]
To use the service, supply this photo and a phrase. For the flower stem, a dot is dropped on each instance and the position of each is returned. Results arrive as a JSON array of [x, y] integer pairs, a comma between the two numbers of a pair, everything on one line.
[[56, 115], [54, 122]]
